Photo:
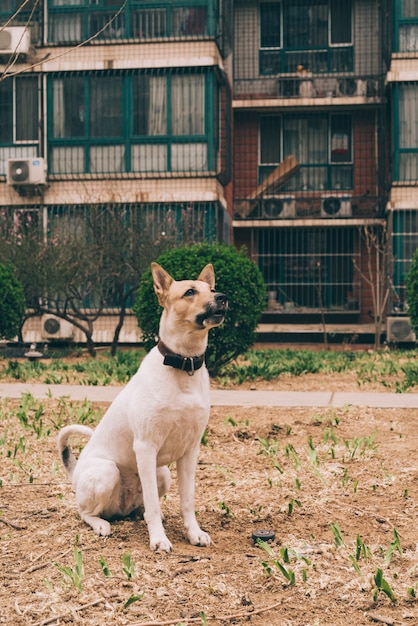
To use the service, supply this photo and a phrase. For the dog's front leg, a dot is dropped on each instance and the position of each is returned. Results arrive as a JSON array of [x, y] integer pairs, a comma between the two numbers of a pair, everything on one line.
[[186, 471], [146, 459]]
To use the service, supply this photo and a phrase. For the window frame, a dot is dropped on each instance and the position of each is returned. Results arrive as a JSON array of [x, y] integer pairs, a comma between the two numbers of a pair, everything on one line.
[[281, 54], [264, 169], [124, 143]]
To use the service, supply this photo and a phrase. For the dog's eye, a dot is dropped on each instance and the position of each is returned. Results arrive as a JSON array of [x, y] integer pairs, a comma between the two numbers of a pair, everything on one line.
[[190, 292]]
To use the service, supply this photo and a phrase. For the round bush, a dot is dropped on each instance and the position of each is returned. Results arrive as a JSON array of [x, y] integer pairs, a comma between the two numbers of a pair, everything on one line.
[[236, 276], [12, 302], [411, 283]]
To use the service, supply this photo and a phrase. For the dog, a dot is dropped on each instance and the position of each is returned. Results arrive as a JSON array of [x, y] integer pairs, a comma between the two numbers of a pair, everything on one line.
[[157, 419]]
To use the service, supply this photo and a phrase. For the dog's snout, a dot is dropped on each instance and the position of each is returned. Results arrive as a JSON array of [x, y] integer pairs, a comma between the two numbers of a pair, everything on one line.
[[220, 298]]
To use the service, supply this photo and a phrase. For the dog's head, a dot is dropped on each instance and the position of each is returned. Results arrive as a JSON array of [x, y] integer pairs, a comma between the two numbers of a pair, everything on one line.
[[190, 304]]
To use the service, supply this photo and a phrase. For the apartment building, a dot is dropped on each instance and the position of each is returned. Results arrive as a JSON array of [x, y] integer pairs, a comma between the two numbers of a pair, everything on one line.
[[309, 82], [122, 104], [402, 215], [285, 125]]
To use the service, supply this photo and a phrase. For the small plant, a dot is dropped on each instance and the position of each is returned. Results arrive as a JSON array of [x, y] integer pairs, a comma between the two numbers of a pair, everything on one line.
[[339, 541], [394, 546], [73, 575], [383, 586], [360, 445], [268, 447], [128, 565], [106, 571], [133, 598], [274, 563], [290, 505], [226, 510]]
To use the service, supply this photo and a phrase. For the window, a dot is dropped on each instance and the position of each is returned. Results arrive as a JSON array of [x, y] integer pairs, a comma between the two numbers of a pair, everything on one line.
[[321, 143], [310, 268], [406, 139], [317, 36], [404, 246], [406, 25], [75, 20], [19, 117], [132, 122]]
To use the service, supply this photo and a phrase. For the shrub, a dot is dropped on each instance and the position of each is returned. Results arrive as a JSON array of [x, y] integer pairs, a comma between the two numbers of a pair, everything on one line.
[[411, 283], [12, 302], [236, 276]]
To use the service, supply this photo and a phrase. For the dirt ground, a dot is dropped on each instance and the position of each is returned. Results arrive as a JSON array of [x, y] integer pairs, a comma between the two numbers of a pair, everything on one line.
[[338, 487]]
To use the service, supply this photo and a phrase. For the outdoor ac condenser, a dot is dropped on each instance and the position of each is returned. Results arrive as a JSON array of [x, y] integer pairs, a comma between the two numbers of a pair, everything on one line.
[[399, 330], [29, 172], [14, 40], [55, 328]]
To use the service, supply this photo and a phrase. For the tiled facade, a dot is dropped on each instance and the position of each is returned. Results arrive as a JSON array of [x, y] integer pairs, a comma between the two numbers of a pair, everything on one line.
[[191, 107]]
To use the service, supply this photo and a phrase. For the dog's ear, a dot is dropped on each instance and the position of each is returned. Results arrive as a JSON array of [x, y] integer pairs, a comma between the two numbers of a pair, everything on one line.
[[162, 281], [208, 275]]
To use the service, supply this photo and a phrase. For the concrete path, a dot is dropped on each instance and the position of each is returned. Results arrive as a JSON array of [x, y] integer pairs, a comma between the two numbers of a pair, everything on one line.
[[228, 397]]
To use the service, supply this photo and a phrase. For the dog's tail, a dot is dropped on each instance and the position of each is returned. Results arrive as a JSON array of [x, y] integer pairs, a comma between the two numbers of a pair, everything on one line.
[[64, 448]]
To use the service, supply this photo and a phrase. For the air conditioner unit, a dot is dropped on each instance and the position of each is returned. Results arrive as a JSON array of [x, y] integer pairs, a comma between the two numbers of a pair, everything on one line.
[[30, 171], [55, 328], [352, 87], [336, 206], [277, 207], [399, 330], [14, 40]]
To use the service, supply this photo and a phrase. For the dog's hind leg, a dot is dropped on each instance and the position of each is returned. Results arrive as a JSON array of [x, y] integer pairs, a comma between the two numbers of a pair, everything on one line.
[[186, 471], [97, 493]]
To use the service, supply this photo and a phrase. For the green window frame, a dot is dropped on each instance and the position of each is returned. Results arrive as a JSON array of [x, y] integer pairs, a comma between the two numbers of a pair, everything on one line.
[[72, 21], [313, 35], [322, 143], [140, 122], [405, 132], [405, 26], [404, 235]]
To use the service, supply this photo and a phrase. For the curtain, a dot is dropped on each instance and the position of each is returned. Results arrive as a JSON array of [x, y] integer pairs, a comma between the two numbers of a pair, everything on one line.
[[27, 109], [58, 120], [157, 106], [188, 104]]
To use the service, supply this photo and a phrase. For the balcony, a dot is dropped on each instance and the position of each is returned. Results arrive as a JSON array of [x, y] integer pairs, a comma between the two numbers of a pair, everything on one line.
[[107, 22], [331, 205], [300, 86]]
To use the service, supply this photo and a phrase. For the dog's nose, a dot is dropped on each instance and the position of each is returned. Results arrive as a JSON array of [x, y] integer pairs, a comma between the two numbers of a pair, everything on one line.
[[220, 298]]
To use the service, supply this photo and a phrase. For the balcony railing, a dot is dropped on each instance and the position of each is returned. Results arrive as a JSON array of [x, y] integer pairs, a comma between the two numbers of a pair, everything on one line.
[[306, 85], [290, 207], [182, 19]]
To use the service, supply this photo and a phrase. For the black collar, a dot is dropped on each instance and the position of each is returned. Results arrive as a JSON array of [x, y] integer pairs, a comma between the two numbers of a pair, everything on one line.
[[187, 363]]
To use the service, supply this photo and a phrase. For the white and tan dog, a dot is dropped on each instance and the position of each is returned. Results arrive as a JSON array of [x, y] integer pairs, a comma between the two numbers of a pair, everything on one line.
[[158, 418]]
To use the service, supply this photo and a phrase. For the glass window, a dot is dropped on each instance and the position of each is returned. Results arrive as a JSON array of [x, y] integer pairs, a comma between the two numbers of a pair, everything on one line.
[[26, 108], [69, 107], [341, 28], [149, 105], [20, 94], [270, 142], [409, 8], [188, 104], [408, 132], [340, 139], [106, 106], [305, 24], [6, 111], [270, 25]]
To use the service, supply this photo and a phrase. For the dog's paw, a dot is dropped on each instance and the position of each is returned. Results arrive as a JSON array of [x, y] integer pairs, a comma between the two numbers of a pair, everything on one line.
[[101, 527], [161, 544], [199, 539]]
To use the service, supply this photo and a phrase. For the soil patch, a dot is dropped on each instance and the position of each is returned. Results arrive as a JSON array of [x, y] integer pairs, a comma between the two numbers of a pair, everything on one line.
[[339, 488]]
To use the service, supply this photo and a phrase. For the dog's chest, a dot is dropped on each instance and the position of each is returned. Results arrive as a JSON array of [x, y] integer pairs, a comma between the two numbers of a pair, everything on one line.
[[176, 431]]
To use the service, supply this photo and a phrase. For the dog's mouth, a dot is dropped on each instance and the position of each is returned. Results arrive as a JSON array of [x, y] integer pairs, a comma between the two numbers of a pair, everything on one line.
[[215, 312]]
